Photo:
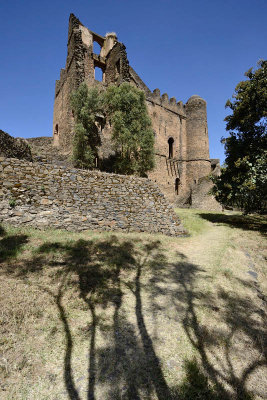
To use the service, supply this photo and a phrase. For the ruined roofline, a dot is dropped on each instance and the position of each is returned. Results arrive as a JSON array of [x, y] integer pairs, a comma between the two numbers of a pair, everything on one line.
[[154, 97], [75, 22], [97, 35]]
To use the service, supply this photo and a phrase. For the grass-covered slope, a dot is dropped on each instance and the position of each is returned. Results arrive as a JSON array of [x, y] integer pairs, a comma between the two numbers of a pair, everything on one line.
[[135, 316]]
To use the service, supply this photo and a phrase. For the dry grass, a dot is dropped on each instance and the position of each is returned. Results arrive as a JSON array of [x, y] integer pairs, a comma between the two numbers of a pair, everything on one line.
[[127, 316]]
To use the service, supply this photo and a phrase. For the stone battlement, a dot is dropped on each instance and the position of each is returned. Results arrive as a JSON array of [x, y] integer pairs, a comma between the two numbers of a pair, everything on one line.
[[166, 102]]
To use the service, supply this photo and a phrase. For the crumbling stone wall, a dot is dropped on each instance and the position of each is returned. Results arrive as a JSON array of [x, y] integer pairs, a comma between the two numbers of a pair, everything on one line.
[[79, 68], [41, 195], [117, 65], [14, 147], [201, 196]]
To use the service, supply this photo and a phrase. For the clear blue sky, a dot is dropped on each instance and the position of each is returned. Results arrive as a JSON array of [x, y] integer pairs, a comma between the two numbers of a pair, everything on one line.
[[181, 47]]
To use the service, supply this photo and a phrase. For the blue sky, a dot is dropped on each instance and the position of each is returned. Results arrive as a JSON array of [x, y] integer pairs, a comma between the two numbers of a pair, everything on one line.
[[181, 47]]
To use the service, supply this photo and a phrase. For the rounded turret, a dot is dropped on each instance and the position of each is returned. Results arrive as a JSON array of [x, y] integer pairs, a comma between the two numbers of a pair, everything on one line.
[[197, 139], [197, 128], [195, 98]]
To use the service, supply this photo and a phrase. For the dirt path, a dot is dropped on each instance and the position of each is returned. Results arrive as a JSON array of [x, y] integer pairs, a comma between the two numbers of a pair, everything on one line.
[[211, 244]]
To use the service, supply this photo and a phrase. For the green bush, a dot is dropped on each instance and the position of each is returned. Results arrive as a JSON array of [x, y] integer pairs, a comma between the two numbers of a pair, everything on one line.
[[132, 136], [12, 202], [86, 105]]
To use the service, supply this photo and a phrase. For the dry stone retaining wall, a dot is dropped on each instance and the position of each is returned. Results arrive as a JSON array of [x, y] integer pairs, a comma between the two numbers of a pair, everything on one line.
[[42, 195]]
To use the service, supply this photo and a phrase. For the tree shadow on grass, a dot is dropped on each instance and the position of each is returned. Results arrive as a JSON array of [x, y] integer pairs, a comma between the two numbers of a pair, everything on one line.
[[245, 222], [208, 378], [104, 272], [99, 266], [11, 245], [195, 385]]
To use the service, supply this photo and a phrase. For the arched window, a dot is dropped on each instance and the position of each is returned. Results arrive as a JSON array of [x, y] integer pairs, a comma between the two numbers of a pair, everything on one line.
[[56, 130], [170, 142], [177, 183]]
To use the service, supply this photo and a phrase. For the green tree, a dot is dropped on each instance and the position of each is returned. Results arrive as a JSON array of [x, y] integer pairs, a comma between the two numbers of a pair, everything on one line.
[[86, 104], [243, 179], [132, 134]]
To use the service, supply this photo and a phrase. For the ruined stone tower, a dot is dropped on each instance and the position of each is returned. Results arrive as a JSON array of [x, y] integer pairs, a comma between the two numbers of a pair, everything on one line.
[[181, 132]]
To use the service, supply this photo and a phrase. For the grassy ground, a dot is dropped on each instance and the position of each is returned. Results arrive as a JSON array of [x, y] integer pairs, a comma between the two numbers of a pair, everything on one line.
[[135, 316]]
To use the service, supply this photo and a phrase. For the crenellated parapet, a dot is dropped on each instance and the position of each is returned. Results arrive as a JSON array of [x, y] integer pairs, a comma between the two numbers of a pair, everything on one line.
[[166, 102]]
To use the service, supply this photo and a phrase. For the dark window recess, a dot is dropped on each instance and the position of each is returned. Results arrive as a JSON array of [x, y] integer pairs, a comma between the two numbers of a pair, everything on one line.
[[118, 67], [170, 142], [56, 130], [177, 183]]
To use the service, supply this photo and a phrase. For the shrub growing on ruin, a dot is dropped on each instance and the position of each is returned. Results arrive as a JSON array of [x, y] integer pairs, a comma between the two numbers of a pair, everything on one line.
[[86, 103], [132, 134]]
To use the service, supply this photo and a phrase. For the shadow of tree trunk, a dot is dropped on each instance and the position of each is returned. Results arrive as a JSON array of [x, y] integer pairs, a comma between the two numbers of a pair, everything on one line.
[[194, 332], [190, 322], [92, 363], [68, 378], [153, 364], [120, 350]]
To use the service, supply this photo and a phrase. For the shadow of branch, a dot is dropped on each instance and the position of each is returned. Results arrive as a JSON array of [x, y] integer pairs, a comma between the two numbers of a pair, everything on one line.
[[11, 246], [103, 271]]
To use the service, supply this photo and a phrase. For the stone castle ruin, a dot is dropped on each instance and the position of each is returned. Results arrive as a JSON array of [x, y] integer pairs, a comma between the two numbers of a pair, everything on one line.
[[181, 132], [40, 187]]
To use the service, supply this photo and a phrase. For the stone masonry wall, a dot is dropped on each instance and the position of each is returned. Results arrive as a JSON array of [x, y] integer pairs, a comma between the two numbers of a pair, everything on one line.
[[42, 195]]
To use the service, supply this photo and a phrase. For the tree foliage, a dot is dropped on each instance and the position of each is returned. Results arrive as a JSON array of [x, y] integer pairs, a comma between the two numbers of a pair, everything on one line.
[[86, 104], [243, 179], [132, 134]]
